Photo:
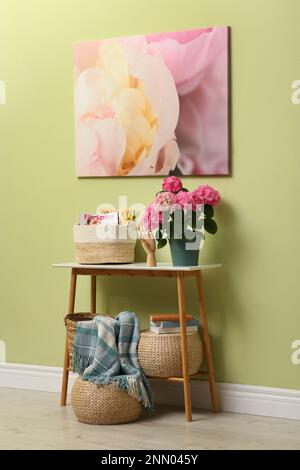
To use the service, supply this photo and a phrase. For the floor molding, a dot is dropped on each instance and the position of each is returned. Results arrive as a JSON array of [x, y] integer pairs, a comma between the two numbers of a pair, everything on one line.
[[32, 377], [235, 398]]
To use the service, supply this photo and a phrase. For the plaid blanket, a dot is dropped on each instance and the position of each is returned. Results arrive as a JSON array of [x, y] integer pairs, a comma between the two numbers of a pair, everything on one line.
[[105, 351]]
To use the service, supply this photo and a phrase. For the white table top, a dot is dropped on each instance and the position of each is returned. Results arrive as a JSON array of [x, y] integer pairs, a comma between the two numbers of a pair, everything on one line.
[[138, 266]]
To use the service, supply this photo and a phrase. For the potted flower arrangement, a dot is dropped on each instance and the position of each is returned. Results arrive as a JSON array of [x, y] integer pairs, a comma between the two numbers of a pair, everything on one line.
[[181, 217]]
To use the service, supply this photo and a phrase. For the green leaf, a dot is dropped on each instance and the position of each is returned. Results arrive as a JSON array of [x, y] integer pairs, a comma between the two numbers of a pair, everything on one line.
[[210, 226], [208, 211], [184, 189], [161, 243]]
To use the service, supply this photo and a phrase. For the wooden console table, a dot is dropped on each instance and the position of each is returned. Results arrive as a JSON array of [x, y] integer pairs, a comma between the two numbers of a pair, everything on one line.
[[162, 270]]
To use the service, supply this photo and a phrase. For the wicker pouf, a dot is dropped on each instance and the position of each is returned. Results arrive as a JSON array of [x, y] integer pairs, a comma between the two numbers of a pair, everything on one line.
[[160, 354], [103, 404]]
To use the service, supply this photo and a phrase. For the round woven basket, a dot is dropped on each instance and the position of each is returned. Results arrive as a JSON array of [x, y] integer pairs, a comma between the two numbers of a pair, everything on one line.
[[103, 404], [160, 354], [71, 321]]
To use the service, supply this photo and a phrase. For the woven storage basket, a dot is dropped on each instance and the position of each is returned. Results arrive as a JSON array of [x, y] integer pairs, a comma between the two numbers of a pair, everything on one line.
[[160, 354], [114, 245], [103, 404], [71, 321]]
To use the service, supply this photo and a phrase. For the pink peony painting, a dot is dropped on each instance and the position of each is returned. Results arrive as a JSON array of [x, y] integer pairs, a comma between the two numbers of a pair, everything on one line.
[[152, 105]]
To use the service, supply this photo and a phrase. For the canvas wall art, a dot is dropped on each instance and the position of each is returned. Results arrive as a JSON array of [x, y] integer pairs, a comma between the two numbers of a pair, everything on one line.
[[152, 105]]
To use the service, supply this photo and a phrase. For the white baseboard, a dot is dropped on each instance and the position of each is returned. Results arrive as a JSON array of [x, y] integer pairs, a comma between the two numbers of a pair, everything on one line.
[[32, 377], [235, 398]]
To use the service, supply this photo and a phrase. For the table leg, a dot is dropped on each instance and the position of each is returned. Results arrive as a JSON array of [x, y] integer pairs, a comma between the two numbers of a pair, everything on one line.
[[93, 294], [64, 386], [184, 347], [207, 347]]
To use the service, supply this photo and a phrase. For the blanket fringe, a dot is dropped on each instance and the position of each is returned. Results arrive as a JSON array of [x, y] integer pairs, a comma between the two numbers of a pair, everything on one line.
[[81, 361], [131, 384]]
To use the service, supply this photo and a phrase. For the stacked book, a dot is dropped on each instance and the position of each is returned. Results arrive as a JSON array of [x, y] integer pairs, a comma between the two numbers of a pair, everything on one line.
[[169, 323]]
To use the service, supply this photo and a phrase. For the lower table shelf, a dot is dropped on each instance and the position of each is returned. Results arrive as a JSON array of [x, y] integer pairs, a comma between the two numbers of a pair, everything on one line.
[[165, 271], [181, 379]]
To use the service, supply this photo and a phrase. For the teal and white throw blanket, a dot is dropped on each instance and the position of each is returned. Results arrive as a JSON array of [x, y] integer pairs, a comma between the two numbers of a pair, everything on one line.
[[105, 351]]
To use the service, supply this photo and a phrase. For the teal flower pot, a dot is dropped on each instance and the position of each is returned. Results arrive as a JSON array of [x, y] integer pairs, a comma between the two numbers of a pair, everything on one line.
[[181, 256]]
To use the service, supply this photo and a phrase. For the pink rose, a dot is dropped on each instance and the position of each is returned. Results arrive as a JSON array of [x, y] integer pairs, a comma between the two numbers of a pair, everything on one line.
[[165, 198], [198, 197], [205, 194], [152, 217], [185, 198], [172, 184], [181, 198]]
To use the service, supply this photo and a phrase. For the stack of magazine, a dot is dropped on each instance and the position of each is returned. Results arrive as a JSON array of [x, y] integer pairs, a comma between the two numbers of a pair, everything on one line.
[[169, 323]]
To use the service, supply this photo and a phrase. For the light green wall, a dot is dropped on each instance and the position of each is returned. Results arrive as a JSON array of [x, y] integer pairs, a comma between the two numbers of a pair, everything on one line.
[[253, 301]]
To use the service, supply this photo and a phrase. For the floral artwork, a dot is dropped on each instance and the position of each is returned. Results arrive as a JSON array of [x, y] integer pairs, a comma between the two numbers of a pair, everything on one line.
[[152, 105]]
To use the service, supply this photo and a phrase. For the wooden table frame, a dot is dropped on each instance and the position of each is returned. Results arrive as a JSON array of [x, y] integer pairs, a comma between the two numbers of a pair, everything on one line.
[[180, 276]]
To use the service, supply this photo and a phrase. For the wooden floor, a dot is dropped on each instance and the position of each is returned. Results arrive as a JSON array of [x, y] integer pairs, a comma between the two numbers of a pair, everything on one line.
[[34, 420]]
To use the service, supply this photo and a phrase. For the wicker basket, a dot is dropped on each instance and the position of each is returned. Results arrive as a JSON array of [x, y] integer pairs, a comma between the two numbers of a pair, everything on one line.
[[160, 354], [71, 321], [112, 246], [103, 404]]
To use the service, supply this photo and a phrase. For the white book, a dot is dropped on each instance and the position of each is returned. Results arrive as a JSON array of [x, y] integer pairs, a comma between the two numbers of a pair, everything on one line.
[[176, 329]]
